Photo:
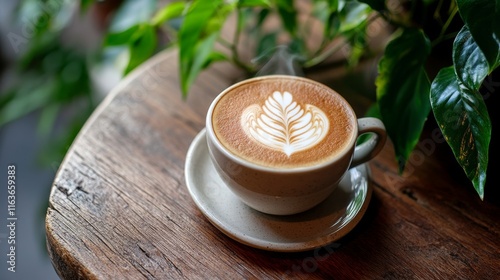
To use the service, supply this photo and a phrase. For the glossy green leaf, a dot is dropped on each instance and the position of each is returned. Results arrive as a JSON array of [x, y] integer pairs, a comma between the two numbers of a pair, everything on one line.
[[483, 19], [353, 15], [403, 90], [170, 11], [130, 13], [460, 110], [141, 47], [471, 66], [463, 118], [190, 35]]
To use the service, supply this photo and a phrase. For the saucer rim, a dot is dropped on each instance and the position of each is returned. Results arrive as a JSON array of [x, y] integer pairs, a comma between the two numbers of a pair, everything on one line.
[[242, 238]]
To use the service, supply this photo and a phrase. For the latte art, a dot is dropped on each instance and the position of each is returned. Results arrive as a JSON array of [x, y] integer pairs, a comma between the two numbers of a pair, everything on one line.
[[283, 122], [284, 125]]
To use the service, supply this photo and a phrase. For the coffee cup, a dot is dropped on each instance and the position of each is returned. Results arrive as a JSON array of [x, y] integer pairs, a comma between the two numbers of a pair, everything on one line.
[[282, 143]]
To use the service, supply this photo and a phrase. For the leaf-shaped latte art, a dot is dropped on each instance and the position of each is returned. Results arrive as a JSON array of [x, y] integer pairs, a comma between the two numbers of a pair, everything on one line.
[[282, 124]]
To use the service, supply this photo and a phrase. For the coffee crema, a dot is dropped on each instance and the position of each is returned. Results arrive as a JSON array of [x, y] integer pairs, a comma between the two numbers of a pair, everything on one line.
[[283, 122]]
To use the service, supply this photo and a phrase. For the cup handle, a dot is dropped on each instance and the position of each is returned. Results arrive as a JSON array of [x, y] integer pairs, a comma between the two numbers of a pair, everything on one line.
[[370, 148]]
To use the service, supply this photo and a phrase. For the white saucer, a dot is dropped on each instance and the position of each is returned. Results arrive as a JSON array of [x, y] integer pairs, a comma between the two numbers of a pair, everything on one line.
[[322, 225]]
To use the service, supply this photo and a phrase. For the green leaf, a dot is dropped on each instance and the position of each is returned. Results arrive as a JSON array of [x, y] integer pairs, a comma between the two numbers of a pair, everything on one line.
[[214, 57], [460, 110], [47, 119], [121, 38], [335, 5], [254, 3], [357, 40], [483, 19], [353, 15], [190, 34], [29, 97], [288, 15], [463, 118], [170, 11], [202, 58], [470, 64], [38, 50], [84, 4], [216, 22], [267, 43], [322, 11], [39, 18], [132, 13], [403, 90], [57, 147], [326, 11], [6, 97], [296, 48], [261, 17], [332, 26], [377, 5], [374, 112], [141, 47]]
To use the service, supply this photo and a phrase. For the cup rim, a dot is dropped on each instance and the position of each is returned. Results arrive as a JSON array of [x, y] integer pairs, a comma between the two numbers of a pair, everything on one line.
[[251, 165]]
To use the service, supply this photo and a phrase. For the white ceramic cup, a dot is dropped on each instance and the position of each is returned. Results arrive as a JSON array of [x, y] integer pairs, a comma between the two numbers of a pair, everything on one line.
[[284, 191]]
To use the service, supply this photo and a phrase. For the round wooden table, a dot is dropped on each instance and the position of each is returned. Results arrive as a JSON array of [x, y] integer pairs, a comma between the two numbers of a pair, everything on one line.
[[120, 209]]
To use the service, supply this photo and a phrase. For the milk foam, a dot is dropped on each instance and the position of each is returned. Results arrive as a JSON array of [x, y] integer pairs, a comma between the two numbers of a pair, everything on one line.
[[284, 125], [284, 122]]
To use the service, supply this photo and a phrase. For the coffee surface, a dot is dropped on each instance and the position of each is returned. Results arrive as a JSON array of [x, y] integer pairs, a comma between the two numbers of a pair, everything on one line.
[[283, 122]]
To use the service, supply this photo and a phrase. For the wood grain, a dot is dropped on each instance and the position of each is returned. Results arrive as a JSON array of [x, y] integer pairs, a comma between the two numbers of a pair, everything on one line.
[[119, 207]]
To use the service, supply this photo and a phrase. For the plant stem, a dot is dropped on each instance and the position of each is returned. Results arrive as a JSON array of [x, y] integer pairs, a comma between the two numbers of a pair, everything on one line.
[[448, 21], [318, 59], [443, 38], [237, 33], [320, 55], [436, 15], [442, 35], [234, 58], [225, 43], [308, 30], [233, 47]]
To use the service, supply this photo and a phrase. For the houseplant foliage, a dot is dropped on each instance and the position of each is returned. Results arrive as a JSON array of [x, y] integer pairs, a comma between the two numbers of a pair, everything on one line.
[[49, 77], [407, 92]]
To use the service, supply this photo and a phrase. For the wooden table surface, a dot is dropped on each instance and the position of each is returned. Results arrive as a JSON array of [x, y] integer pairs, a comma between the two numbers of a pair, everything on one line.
[[120, 209]]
